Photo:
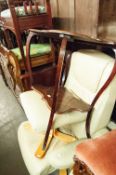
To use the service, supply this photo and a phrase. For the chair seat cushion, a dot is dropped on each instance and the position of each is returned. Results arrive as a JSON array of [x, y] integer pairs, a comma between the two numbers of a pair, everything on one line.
[[36, 50], [99, 154], [38, 114], [20, 11], [29, 141], [66, 100]]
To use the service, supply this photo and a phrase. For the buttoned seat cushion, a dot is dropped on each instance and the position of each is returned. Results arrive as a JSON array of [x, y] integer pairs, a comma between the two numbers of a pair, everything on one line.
[[36, 50], [21, 12], [99, 154]]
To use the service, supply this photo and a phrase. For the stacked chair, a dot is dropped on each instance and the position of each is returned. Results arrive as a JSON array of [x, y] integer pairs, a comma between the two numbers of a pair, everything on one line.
[[17, 20], [90, 82]]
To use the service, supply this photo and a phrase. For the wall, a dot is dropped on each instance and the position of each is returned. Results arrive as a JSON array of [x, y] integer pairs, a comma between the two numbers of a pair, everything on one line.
[[83, 16], [63, 13]]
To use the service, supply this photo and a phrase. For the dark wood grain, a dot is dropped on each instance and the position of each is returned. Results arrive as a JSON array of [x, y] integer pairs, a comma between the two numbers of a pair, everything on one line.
[[57, 85]]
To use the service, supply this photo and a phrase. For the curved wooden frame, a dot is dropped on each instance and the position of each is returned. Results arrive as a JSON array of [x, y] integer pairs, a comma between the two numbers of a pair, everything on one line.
[[102, 89], [79, 167], [67, 36], [12, 67], [47, 58]]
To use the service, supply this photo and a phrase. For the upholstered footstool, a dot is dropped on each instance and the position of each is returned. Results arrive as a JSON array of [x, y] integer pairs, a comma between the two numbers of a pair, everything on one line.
[[96, 156]]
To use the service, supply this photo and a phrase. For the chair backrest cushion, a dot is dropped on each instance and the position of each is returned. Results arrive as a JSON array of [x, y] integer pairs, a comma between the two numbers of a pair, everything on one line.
[[88, 71]]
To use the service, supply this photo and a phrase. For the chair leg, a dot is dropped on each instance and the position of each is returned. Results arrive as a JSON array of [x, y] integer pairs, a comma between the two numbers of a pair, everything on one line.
[[63, 172]]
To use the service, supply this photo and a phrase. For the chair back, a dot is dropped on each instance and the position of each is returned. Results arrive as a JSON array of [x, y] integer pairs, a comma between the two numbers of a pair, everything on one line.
[[26, 15], [28, 7], [88, 72]]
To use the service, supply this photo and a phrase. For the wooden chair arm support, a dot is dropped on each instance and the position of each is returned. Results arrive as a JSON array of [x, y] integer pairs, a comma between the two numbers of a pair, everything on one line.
[[102, 89]]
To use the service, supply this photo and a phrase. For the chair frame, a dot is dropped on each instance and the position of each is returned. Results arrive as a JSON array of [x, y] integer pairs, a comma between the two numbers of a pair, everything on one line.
[[68, 36], [20, 24], [65, 37], [13, 69]]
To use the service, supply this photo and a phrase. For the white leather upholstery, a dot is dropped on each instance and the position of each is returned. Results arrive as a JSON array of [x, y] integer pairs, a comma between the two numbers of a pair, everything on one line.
[[112, 125], [38, 112], [89, 70], [59, 156], [56, 155], [28, 141]]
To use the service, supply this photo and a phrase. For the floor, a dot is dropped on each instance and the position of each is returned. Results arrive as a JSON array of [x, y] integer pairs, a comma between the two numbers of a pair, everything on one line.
[[11, 115]]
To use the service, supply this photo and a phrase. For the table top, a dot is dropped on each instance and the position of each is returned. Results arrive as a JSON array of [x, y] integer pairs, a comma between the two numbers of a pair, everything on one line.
[[70, 35]]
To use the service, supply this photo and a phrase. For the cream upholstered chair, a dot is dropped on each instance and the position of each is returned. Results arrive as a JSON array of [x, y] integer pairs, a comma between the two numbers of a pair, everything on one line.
[[89, 70]]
